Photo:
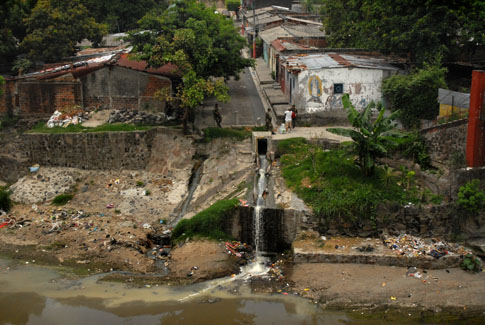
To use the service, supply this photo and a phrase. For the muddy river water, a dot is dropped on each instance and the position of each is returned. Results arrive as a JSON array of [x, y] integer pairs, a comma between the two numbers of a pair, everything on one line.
[[32, 294]]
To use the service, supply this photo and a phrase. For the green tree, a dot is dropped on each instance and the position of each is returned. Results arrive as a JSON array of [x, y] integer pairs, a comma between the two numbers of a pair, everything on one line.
[[12, 28], [372, 138], [121, 15], [417, 29], [203, 45], [56, 26], [415, 94], [233, 5]]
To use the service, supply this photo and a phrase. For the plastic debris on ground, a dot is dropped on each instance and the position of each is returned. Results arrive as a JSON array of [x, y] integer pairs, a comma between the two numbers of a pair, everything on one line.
[[412, 246], [60, 119], [238, 249]]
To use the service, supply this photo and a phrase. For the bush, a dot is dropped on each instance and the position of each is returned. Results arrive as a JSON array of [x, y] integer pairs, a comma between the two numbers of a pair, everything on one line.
[[232, 5], [415, 94], [5, 202], [414, 146], [62, 199], [470, 197], [208, 223]]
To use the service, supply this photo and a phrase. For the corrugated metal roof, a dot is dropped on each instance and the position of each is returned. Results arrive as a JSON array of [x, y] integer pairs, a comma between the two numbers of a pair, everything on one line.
[[335, 60], [270, 35], [448, 97], [304, 30]]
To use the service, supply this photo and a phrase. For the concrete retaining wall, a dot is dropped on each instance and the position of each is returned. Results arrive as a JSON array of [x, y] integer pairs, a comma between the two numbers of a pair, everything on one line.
[[104, 150]]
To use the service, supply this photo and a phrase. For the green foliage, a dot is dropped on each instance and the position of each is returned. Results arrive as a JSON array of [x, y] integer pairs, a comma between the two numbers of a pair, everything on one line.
[[471, 263], [121, 15], [415, 94], [208, 223], [372, 139], [140, 184], [2, 82], [12, 28], [56, 26], [62, 199], [238, 134], [202, 44], [471, 198], [232, 5], [333, 185], [414, 146], [416, 29], [5, 201], [114, 127]]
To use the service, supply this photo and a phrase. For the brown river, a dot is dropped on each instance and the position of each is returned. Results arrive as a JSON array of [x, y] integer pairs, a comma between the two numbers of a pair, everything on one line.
[[32, 294]]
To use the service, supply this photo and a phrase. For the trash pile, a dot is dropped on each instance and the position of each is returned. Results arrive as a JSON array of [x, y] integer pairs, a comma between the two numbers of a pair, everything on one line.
[[64, 119], [275, 271], [126, 115], [239, 249], [411, 246]]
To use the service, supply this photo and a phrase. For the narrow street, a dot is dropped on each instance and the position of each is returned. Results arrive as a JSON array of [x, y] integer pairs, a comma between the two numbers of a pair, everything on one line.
[[244, 108]]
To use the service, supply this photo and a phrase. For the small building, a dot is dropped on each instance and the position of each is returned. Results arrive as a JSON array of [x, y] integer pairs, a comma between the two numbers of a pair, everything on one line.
[[316, 82], [290, 39], [453, 103], [109, 81]]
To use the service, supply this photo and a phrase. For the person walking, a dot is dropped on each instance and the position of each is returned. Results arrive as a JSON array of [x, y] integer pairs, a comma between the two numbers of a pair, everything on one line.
[[217, 115], [288, 114], [294, 114]]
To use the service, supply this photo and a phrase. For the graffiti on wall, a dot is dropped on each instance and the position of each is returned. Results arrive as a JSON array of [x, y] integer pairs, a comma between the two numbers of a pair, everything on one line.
[[315, 88]]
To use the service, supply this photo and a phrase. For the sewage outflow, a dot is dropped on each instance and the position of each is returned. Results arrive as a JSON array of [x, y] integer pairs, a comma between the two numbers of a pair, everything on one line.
[[259, 266]]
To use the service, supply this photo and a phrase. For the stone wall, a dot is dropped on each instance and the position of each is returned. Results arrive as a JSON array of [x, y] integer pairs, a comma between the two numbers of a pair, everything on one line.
[[446, 140], [110, 150]]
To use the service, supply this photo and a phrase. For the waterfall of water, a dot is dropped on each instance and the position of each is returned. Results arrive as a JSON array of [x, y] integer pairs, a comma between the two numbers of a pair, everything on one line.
[[258, 213]]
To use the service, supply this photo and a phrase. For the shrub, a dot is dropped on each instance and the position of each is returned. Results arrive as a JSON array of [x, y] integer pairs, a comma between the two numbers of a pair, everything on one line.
[[470, 197], [414, 146], [208, 223], [5, 201], [415, 94], [232, 5], [140, 184], [471, 263], [62, 199]]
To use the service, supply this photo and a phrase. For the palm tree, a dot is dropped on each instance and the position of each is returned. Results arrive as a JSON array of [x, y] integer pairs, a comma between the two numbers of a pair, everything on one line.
[[372, 139]]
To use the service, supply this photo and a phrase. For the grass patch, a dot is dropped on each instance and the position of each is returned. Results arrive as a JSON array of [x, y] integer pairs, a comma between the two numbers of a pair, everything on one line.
[[62, 199], [331, 183], [234, 133], [41, 127], [208, 223]]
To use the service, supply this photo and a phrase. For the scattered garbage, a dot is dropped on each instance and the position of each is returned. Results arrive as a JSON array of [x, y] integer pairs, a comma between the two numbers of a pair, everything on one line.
[[412, 246], [413, 272], [238, 249], [364, 248], [110, 206], [34, 168], [60, 119]]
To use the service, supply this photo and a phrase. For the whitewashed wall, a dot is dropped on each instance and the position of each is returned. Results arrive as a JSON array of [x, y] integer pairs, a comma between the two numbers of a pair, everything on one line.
[[363, 86]]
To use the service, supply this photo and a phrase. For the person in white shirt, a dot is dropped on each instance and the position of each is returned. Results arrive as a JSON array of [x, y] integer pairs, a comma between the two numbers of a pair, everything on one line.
[[288, 113]]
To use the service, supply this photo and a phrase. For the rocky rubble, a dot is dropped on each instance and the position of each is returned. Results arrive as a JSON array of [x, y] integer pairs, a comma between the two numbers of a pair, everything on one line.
[[126, 115]]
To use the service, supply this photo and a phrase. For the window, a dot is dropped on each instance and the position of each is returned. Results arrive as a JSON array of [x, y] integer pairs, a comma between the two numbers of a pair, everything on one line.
[[338, 88]]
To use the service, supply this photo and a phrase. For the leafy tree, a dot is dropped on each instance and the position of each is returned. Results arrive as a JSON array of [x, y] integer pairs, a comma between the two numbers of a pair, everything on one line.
[[415, 94], [56, 26], [203, 45], [417, 29], [12, 28], [471, 198], [121, 15], [372, 139]]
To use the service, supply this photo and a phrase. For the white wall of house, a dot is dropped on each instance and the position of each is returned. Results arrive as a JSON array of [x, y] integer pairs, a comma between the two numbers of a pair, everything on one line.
[[314, 89]]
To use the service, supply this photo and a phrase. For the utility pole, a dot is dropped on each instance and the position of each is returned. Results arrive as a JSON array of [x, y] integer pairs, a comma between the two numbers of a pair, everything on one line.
[[255, 29]]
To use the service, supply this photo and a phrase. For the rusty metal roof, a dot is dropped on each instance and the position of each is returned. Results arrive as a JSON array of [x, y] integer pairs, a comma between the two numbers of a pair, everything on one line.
[[335, 60]]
